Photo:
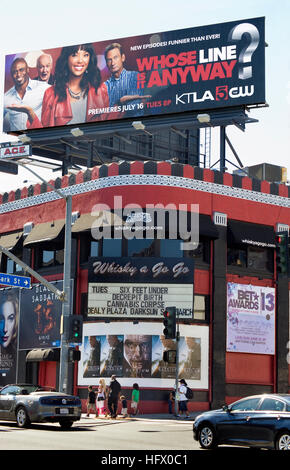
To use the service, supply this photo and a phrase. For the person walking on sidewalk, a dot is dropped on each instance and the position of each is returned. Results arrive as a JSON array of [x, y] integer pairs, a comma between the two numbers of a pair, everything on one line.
[[91, 401], [135, 398], [182, 399], [113, 397], [101, 397]]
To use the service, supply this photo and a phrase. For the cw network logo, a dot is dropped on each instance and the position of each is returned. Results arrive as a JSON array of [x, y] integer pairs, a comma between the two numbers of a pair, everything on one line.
[[152, 221]]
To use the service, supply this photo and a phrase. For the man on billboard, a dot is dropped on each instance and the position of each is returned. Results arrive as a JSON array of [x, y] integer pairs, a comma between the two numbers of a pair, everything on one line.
[[137, 356], [92, 364], [25, 92], [122, 85], [44, 68]]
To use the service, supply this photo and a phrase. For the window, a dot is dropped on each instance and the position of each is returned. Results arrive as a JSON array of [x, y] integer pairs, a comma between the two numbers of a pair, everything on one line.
[[141, 247], [202, 253], [250, 257], [272, 404], [12, 267], [48, 258], [171, 248], [249, 404], [112, 247], [94, 251]]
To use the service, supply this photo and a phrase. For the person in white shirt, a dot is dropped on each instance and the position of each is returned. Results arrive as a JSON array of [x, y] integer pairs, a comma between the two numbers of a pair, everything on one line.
[[182, 399], [25, 92]]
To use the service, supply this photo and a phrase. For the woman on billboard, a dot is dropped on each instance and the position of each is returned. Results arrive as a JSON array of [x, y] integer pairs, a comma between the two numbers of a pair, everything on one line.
[[77, 95], [8, 339]]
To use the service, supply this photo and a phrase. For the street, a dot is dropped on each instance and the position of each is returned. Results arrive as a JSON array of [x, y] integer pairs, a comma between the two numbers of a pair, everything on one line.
[[101, 434]]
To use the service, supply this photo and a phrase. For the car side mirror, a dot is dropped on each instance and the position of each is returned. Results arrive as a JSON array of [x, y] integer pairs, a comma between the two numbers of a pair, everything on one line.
[[226, 408]]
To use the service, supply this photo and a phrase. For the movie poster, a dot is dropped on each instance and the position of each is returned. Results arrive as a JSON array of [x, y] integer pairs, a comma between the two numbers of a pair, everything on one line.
[[40, 315], [206, 67], [9, 320], [134, 352]]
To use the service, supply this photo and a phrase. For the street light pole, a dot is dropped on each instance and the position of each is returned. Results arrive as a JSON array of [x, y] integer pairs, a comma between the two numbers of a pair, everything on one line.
[[66, 305]]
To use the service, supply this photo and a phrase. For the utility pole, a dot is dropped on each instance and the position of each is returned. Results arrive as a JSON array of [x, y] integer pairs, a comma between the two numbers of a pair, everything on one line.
[[177, 370]]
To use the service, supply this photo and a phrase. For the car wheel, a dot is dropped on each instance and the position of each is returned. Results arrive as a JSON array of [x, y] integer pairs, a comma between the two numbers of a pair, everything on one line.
[[283, 441], [207, 438], [22, 417], [66, 424]]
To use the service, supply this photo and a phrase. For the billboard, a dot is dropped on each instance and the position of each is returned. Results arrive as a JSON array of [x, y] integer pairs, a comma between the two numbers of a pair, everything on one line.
[[40, 316], [140, 287], [250, 319], [9, 320], [136, 351], [193, 69]]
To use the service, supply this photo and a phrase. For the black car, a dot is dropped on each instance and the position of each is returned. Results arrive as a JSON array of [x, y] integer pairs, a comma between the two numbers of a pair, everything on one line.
[[261, 421]]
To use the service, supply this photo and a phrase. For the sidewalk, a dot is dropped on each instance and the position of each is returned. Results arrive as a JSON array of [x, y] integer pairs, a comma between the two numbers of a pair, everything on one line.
[[161, 416]]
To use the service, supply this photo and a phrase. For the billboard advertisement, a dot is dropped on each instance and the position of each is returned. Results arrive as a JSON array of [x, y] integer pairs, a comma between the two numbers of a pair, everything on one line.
[[9, 321], [250, 319], [140, 287], [206, 67], [40, 316], [132, 351]]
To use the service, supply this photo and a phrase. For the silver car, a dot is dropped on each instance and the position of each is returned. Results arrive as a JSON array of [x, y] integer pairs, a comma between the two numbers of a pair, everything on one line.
[[27, 403]]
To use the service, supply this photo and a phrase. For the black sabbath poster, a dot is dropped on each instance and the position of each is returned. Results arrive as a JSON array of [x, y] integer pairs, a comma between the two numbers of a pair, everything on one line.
[[9, 321], [205, 67], [40, 315]]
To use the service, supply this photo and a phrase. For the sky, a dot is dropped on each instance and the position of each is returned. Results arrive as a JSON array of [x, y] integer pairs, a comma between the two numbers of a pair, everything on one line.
[[31, 26]]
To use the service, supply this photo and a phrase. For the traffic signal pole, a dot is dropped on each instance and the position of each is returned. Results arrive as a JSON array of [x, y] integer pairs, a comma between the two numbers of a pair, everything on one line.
[[176, 371], [66, 305]]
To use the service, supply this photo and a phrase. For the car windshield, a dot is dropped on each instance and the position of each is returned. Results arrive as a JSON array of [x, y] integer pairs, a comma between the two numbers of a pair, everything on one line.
[[20, 389]]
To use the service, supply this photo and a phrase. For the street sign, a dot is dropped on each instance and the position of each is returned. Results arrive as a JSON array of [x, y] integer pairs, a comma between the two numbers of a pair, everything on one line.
[[9, 150], [15, 281]]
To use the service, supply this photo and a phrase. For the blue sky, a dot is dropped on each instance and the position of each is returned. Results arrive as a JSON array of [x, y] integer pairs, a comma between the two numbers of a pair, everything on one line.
[[32, 26]]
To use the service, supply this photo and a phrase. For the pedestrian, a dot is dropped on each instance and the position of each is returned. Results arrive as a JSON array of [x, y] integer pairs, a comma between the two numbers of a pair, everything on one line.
[[91, 401], [113, 396], [135, 398], [124, 410], [171, 400], [182, 399], [101, 397]]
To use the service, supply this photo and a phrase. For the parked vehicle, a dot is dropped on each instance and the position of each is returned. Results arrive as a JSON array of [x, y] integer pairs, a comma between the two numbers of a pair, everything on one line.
[[261, 421], [26, 403]]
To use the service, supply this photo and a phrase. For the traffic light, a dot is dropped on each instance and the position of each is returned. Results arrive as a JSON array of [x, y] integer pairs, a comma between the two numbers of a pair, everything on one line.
[[169, 322], [169, 356], [74, 355], [282, 254], [75, 330]]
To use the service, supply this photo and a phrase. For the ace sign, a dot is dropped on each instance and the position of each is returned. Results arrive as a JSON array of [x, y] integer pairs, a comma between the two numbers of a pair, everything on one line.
[[8, 151]]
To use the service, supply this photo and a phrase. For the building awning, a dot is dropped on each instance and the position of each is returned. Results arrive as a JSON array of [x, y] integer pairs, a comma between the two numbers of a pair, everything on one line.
[[262, 236], [10, 240], [206, 227], [160, 217], [99, 219], [44, 232], [38, 355]]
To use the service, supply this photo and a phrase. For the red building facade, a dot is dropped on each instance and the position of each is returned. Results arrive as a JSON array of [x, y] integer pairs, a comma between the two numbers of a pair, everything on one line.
[[238, 220]]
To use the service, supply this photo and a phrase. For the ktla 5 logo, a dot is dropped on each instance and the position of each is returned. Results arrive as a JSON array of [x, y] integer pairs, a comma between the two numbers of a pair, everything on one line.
[[222, 92]]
